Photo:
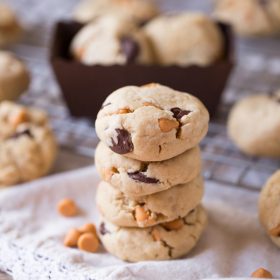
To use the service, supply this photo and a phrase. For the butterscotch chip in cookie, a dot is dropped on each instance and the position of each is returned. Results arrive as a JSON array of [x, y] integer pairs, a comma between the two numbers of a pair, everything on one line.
[[275, 231], [71, 239], [88, 242], [67, 207], [174, 225], [262, 273]]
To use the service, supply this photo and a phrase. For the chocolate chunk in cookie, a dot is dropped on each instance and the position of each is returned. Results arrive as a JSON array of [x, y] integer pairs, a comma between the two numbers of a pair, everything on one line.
[[124, 143], [179, 113], [141, 177], [130, 49]]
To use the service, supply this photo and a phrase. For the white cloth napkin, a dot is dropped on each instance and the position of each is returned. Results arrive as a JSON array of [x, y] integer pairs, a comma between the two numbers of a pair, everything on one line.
[[31, 236]]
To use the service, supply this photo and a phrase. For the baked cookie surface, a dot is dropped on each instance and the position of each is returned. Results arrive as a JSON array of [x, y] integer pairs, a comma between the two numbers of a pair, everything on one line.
[[14, 76], [161, 242], [254, 125], [10, 29], [27, 144], [111, 40], [250, 17], [185, 39], [152, 122], [148, 210], [138, 10], [136, 178], [269, 207]]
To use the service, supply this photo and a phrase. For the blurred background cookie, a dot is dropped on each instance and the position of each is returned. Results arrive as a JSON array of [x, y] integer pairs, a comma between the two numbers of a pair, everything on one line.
[[10, 29], [27, 144], [185, 39], [250, 17], [269, 207], [111, 40], [139, 11], [254, 125], [14, 76]]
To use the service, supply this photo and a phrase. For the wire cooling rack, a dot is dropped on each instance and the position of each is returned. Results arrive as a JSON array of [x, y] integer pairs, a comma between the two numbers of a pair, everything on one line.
[[258, 69]]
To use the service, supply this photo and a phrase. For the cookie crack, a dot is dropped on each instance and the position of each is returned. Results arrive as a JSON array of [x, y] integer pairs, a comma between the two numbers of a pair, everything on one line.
[[169, 247]]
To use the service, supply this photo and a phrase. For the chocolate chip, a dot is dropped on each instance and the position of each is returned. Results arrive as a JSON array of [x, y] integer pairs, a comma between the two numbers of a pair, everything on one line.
[[179, 113], [18, 134], [124, 143], [102, 229], [105, 105], [139, 176], [130, 49]]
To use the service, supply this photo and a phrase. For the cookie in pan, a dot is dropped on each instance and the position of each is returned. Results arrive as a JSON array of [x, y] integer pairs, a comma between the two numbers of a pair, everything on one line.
[[161, 242], [139, 11], [149, 210], [254, 125], [185, 39], [269, 207], [27, 144], [152, 122], [136, 178], [250, 17], [10, 29], [14, 76], [111, 40]]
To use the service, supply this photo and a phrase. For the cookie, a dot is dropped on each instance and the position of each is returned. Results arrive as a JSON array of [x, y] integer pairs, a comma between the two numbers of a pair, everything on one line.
[[139, 11], [269, 207], [10, 29], [109, 41], [250, 17], [148, 210], [27, 144], [162, 242], [136, 178], [254, 125], [152, 122], [14, 76], [185, 39]]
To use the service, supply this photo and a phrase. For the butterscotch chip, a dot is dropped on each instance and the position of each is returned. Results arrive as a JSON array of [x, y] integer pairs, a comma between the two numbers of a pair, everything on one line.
[[67, 207], [88, 242], [275, 231], [262, 273], [124, 111], [167, 125], [141, 214], [174, 225], [71, 239], [150, 85], [88, 228], [151, 104], [156, 234], [18, 118]]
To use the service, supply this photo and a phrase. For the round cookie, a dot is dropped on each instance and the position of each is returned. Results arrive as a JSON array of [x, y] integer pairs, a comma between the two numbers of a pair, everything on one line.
[[148, 210], [109, 41], [152, 122], [250, 17], [27, 144], [185, 39], [139, 11], [14, 76], [10, 28], [136, 178], [269, 207], [254, 125], [161, 242]]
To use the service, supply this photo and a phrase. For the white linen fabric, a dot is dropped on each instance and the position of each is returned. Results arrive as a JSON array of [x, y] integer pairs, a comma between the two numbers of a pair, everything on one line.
[[31, 236]]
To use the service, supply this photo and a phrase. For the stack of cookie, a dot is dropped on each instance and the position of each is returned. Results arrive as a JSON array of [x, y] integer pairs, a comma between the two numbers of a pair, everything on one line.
[[150, 164]]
